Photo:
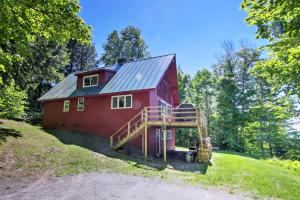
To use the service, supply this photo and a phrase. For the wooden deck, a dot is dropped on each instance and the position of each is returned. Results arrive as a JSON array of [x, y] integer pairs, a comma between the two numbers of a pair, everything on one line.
[[185, 124], [164, 117]]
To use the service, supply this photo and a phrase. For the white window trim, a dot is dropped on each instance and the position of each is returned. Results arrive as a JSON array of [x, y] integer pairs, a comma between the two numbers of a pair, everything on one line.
[[78, 103], [118, 96], [66, 101], [97, 75]]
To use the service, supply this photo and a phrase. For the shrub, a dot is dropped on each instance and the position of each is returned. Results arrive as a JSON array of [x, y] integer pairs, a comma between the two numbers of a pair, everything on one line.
[[12, 102], [287, 164]]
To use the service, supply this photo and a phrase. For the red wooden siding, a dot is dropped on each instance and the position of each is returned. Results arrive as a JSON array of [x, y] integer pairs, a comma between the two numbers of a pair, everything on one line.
[[99, 119]]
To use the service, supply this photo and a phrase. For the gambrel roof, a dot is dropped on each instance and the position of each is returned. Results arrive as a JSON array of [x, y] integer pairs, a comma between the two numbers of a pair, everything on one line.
[[130, 76]]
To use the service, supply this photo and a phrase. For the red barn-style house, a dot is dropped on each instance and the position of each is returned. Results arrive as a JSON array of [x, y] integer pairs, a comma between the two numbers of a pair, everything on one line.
[[126, 103]]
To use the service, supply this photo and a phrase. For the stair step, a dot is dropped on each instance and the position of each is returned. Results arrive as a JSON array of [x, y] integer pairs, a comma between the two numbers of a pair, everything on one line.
[[134, 133]]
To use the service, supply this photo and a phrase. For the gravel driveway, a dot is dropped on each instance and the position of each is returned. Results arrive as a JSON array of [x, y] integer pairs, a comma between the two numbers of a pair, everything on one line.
[[113, 186]]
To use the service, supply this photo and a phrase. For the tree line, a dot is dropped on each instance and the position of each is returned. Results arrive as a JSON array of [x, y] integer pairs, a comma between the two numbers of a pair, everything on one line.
[[248, 100], [243, 113], [44, 41]]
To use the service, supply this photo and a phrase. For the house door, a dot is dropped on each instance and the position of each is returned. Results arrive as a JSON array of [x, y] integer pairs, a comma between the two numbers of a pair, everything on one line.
[[158, 142]]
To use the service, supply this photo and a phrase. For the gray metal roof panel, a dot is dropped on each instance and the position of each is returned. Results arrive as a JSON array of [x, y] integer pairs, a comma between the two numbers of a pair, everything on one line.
[[137, 75], [86, 91], [142, 74], [61, 90]]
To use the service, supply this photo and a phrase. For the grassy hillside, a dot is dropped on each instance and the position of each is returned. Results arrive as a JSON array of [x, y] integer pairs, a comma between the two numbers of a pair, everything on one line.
[[30, 151]]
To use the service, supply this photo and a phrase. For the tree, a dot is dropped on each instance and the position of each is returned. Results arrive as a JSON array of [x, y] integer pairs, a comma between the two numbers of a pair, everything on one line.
[[245, 82], [81, 56], [278, 22], [183, 84], [202, 92], [33, 33], [12, 102], [22, 22], [268, 125], [128, 45], [227, 110], [41, 70]]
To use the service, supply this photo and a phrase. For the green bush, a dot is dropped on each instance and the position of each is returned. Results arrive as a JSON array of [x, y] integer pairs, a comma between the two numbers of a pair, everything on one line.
[[287, 164], [12, 102]]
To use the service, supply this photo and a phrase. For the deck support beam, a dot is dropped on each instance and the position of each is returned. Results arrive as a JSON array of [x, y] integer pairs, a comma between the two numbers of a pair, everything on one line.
[[143, 142], [165, 144], [146, 134], [146, 142]]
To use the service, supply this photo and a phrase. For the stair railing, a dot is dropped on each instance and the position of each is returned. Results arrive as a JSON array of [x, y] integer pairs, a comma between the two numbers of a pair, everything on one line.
[[127, 128], [159, 113]]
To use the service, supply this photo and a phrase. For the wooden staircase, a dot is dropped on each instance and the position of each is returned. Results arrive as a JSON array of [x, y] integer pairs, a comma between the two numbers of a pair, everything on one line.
[[163, 117], [129, 131], [131, 136]]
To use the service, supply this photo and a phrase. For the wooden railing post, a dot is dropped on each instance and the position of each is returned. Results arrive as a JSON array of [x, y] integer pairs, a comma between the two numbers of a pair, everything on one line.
[[165, 144], [111, 141], [128, 128], [146, 114]]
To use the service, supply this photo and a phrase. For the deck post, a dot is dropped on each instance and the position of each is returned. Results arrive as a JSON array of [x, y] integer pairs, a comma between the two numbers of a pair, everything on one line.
[[143, 142], [199, 123], [146, 134], [165, 144]]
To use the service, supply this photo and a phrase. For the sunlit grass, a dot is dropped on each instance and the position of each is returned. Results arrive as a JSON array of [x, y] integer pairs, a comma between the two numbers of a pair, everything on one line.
[[36, 149]]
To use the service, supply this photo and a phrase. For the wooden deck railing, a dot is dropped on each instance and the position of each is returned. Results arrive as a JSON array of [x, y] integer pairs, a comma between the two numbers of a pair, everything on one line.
[[163, 115]]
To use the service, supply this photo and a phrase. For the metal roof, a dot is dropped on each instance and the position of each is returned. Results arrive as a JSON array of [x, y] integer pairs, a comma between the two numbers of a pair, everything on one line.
[[110, 67], [136, 75]]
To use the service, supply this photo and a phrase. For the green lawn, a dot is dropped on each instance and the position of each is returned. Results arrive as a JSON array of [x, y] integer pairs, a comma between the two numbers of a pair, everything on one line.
[[32, 149]]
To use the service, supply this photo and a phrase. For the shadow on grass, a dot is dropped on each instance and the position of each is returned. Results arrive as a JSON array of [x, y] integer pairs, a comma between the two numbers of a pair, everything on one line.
[[133, 157], [5, 133]]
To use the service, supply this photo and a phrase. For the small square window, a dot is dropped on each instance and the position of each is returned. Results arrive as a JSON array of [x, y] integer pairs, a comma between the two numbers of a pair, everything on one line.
[[66, 106], [91, 80], [80, 104]]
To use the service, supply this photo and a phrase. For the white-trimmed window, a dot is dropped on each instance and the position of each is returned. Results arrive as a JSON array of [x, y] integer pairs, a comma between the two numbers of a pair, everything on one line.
[[80, 104], [66, 106], [169, 134], [89, 81], [121, 101]]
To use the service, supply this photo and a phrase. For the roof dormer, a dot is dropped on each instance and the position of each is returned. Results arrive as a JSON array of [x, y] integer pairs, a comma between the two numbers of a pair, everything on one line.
[[93, 78]]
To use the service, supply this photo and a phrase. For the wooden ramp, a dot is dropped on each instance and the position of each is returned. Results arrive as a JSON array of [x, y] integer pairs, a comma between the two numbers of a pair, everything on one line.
[[164, 117]]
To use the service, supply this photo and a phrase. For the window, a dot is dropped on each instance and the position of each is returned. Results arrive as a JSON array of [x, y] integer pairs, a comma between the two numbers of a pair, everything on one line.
[[89, 81], [80, 104], [122, 101], [66, 106], [169, 134]]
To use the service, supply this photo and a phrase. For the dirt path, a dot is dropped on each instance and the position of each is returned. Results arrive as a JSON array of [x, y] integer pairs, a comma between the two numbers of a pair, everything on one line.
[[113, 186]]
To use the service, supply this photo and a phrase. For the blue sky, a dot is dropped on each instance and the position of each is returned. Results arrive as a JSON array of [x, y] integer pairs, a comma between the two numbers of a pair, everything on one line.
[[192, 29]]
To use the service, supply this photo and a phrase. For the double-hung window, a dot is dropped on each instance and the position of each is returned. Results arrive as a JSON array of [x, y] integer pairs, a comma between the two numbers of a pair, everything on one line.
[[66, 106], [80, 104], [89, 81], [122, 101]]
